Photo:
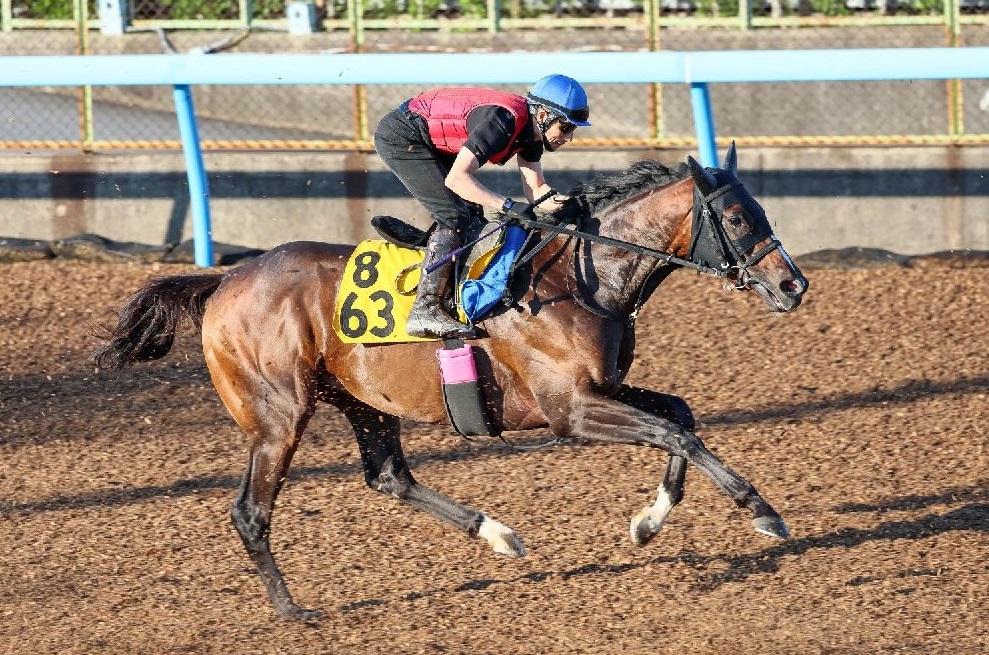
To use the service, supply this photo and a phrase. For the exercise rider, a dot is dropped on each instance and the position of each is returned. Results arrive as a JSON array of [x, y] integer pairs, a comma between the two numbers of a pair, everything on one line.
[[436, 141]]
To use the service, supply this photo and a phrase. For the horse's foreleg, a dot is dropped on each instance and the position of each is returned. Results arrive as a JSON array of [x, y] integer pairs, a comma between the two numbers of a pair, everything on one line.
[[605, 419], [386, 470], [647, 523]]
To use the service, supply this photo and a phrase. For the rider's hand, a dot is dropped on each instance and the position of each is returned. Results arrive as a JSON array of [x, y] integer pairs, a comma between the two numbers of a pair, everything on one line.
[[519, 209]]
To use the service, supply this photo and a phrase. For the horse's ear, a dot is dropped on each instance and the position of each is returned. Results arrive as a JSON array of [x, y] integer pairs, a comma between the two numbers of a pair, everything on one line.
[[702, 176], [731, 160]]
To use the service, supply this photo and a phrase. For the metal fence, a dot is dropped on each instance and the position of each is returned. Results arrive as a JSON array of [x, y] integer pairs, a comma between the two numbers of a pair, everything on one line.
[[624, 115]]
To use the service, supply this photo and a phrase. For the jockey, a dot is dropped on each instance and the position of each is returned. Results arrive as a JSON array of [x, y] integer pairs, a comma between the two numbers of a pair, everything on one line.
[[436, 141]]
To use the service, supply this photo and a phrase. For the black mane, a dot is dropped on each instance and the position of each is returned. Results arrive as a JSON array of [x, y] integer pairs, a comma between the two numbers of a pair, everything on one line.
[[606, 190]]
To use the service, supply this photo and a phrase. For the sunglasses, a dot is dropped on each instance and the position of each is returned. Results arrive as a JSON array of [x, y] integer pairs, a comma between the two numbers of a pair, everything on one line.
[[566, 127], [579, 114]]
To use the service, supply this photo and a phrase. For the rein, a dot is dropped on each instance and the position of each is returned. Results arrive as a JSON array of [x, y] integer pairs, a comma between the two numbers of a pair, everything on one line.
[[499, 225], [556, 229], [647, 289], [717, 245]]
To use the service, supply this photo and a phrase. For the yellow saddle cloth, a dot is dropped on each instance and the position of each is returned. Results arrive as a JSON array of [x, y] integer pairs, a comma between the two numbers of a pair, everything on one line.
[[379, 287], [376, 294]]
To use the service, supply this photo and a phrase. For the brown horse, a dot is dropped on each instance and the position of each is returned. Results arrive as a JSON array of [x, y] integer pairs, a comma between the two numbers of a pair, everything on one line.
[[556, 358]]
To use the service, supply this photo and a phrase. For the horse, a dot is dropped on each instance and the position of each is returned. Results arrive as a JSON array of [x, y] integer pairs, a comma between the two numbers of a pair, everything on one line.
[[554, 357]]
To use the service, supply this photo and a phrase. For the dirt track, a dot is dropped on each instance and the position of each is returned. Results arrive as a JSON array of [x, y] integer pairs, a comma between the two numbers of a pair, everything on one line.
[[862, 417]]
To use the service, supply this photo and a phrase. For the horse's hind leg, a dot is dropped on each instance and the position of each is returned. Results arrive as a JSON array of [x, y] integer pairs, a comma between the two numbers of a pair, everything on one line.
[[267, 467], [386, 470], [647, 523], [273, 408]]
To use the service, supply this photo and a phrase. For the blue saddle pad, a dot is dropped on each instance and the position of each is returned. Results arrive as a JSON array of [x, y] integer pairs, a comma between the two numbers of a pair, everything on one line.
[[477, 296]]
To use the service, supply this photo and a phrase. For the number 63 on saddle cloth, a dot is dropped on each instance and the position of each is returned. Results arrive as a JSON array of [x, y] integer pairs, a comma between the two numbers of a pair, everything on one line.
[[379, 282]]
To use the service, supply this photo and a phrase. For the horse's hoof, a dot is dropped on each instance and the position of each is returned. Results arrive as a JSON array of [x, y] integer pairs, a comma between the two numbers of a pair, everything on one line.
[[771, 526], [643, 528], [512, 546], [502, 538], [293, 612]]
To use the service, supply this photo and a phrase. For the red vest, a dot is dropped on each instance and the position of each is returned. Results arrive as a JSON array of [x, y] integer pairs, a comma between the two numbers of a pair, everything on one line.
[[445, 111]]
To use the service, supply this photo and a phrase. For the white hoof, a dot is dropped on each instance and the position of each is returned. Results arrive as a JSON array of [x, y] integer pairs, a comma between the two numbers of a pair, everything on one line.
[[649, 521], [501, 538], [644, 527]]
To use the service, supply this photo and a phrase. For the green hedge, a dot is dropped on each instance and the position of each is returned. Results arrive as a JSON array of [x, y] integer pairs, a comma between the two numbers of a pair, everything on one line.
[[269, 9], [51, 9]]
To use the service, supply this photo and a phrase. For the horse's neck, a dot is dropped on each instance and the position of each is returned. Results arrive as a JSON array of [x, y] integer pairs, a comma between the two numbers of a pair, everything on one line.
[[658, 219]]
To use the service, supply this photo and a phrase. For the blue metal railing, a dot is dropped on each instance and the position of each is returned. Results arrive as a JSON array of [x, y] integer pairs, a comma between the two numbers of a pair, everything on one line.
[[698, 69]]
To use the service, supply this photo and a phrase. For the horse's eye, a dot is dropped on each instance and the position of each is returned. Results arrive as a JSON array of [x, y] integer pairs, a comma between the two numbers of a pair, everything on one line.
[[735, 220]]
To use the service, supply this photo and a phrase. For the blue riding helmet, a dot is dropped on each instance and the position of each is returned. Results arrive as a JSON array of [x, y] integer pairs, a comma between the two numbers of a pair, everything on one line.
[[564, 96]]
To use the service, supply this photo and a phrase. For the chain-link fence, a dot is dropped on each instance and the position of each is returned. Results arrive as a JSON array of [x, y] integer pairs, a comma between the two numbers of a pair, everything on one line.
[[343, 117]]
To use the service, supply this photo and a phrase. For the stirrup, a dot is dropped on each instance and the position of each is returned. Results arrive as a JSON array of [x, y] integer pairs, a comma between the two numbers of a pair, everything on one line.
[[432, 326]]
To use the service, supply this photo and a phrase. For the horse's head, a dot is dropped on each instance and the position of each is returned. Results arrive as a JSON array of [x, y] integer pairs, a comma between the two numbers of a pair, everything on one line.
[[731, 234]]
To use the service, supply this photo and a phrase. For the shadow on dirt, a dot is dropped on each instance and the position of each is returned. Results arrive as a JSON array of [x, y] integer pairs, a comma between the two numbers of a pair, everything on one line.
[[916, 502], [129, 495], [973, 517], [21, 389], [907, 392]]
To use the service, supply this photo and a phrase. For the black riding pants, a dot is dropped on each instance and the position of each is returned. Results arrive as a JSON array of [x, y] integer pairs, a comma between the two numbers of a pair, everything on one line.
[[402, 142]]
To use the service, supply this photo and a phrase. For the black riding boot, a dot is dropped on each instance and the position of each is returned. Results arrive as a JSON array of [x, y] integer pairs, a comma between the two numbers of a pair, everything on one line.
[[427, 318]]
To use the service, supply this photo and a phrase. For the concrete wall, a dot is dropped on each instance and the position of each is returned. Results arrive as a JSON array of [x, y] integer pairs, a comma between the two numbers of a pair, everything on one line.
[[909, 200]]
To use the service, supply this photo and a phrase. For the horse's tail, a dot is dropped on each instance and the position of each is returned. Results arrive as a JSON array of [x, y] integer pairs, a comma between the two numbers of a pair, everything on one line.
[[146, 323]]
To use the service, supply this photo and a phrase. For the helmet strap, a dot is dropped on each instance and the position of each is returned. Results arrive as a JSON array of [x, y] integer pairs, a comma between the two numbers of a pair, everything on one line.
[[546, 122], [544, 125]]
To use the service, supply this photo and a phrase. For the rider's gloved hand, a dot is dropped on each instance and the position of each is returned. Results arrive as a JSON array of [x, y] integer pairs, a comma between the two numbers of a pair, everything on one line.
[[519, 209]]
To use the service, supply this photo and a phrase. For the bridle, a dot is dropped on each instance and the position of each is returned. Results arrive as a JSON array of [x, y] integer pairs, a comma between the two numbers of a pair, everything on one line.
[[711, 250], [710, 245]]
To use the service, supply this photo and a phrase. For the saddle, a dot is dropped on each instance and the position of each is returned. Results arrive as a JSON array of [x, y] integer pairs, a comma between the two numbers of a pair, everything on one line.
[[396, 231], [483, 273]]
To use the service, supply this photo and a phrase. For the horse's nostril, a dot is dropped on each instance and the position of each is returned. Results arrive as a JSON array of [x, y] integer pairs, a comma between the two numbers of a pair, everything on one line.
[[791, 287]]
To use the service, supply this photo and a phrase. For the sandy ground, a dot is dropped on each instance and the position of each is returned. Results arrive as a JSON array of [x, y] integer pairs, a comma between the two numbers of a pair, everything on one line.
[[861, 417]]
